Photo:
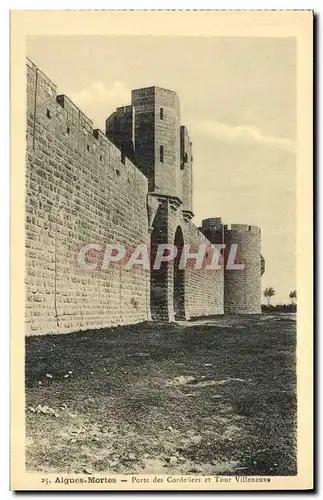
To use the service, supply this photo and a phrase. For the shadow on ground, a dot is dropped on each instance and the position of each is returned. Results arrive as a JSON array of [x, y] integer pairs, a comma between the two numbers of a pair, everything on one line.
[[213, 397]]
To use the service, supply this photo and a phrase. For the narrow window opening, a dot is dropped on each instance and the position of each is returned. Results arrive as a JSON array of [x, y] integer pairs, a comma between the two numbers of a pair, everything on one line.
[[161, 154], [161, 113], [100, 157], [117, 172], [123, 158], [48, 113], [88, 147], [68, 130]]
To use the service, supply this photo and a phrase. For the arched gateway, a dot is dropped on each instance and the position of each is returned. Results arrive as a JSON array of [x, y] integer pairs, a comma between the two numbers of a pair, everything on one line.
[[167, 280]]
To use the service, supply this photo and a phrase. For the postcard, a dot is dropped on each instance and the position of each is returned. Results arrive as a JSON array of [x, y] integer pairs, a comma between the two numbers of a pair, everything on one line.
[[161, 250]]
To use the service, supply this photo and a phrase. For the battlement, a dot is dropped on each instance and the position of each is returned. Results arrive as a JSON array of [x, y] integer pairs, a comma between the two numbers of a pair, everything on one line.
[[145, 94], [212, 224], [75, 112], [99, 182], [60, 112], [241, 228]]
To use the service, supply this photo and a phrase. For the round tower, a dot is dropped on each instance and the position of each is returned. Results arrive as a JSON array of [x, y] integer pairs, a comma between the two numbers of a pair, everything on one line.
[[242, 287], [212, 224]]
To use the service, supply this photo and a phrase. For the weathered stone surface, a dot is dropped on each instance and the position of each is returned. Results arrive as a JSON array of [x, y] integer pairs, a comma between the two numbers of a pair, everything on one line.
[[78, 192], [83, 189]]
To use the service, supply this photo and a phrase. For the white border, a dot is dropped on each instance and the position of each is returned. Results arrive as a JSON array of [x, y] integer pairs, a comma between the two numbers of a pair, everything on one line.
[[4, 184]]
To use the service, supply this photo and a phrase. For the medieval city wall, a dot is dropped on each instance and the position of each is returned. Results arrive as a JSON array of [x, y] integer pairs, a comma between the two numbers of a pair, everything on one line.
[[203, 288], [78, 191], [202, 299], [81, 190]]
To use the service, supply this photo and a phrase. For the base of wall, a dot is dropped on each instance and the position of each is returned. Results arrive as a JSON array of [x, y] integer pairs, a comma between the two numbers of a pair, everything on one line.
[[236, 311], [31, 330]]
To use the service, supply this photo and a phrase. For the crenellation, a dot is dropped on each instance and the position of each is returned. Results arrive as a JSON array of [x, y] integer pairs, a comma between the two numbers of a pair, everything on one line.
[[68, 105], [131, 185]]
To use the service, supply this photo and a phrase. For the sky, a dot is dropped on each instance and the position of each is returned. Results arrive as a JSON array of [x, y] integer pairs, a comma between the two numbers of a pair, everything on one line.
[[237, 98]]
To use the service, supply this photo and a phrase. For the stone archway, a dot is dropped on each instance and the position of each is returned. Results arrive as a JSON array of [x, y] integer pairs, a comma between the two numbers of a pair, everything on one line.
[[178, 278], [158, 277]]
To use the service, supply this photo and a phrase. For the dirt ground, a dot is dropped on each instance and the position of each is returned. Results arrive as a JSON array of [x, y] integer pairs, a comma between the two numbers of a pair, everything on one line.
[[215, 396]]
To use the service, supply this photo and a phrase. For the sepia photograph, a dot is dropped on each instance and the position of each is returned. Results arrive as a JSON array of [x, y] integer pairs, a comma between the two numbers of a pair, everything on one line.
[[161, 320]]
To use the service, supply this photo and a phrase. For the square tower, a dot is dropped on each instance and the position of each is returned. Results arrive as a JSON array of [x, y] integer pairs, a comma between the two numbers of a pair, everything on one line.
[[157, 139]]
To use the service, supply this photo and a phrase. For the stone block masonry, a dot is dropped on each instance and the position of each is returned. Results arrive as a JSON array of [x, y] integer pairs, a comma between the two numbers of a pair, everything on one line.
[[130, 186], [78, 191], [242, 288]]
